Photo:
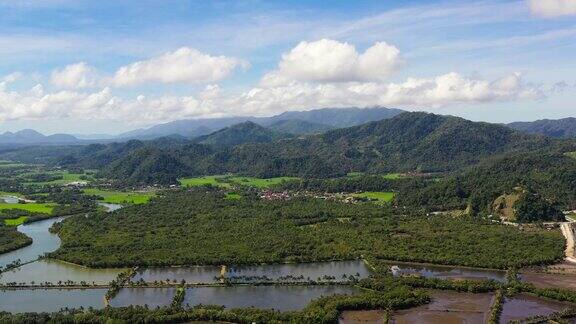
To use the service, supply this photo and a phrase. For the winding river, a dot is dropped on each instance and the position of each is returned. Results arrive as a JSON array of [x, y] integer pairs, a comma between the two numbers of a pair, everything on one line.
[[278, 297], [42, 242]]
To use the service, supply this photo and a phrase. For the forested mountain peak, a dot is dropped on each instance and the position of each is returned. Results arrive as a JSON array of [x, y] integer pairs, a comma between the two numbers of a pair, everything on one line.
[[246, 132], [562, 128], [299, 127]]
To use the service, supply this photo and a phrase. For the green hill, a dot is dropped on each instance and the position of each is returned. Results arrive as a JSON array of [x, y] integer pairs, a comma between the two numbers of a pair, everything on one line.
[[247, 132]]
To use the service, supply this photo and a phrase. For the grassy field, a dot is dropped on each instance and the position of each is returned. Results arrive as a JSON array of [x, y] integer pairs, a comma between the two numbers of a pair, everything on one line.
[[380, 196], [15, 221], [67, 177], [9, 165], [258, 182], [389, 176], [393, 176], [33, 207], [201, 181], [571, 154], [227, 181], [232, 196], [121, 197], [15, 194]]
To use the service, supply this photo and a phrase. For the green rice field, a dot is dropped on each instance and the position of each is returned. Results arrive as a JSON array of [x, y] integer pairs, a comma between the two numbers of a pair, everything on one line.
[[393, 176], [32, 207], [380, 196], [121, 197], [15, 221], [201, 181], [389, 176], [67, 178], [225, 181], [258, 182], [232, 196]]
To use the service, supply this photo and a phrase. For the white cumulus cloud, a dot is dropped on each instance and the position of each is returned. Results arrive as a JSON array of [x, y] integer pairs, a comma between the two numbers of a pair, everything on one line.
[[332, 61], [78, 75], [183, 65], [552, 8], [413, 93], [420, 93]]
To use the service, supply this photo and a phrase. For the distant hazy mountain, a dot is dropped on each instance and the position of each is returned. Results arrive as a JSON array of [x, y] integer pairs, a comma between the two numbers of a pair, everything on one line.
[[94, 136], [188, 128], [243, 133], [561, 128], [332, 117], [29, 136], [339, 117], [299, 127]]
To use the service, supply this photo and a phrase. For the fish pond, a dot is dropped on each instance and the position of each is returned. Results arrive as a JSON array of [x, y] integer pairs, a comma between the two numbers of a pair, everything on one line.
[[301, 272], [50, 300], [266, 297]]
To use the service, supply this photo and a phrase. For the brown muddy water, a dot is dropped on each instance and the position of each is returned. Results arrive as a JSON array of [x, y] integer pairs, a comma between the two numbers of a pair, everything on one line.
[[549, 280], [362, 317], [522, 306], [445, 272], [447, 308]]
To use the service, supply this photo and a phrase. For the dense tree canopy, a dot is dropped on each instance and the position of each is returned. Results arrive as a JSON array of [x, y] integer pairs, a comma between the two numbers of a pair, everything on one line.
[[201, 227]]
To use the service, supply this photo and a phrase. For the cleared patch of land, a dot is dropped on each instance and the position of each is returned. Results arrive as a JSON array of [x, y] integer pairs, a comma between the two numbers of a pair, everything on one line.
[[232, 196], [67, 178], [388, 176], [32, 207], [226, 181], [15, 221], [393, 176], [13, 194], [202, 181], [121, 197], [259, 182], [380, 196], [9, 165]]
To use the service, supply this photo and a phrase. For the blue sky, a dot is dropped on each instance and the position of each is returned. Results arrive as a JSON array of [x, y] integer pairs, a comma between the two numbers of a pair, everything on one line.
[[112, 66]]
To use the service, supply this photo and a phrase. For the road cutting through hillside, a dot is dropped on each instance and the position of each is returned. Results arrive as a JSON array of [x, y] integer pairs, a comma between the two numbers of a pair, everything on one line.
[[568, 232]]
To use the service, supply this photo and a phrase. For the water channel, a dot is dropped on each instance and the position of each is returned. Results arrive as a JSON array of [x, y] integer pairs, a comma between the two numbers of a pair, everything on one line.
[[42, 242]]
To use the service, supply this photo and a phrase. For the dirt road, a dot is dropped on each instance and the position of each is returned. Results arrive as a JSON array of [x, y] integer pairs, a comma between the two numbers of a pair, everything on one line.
[[568, 232]]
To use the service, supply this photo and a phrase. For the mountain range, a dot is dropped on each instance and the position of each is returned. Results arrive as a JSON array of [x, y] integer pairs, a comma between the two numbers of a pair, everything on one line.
[[30, 136], [561, 128], [407, 142], [293, 122]]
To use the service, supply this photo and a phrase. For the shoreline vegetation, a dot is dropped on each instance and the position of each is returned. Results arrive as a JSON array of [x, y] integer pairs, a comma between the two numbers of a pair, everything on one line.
[[11, 239]]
